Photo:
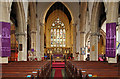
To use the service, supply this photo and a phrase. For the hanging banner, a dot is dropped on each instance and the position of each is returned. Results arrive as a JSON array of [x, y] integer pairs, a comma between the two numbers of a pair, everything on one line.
[[110, 39], [5, 46], [118, 47]]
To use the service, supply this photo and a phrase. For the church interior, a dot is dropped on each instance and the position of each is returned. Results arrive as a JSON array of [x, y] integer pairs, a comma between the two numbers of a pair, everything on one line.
[[58, 39]]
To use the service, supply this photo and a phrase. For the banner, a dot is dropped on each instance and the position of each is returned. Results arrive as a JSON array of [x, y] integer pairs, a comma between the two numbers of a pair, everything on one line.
[[119, 41], [110, 39], [5, 46]]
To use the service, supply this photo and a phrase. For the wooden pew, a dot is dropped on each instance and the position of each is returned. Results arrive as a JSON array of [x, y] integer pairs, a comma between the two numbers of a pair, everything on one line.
[[23, 69], [100, 69]]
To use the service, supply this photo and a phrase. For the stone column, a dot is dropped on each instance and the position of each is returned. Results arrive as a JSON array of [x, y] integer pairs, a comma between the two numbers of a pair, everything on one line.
[[94, 39], [21, 38], [42, 40], [94, 28], [74, 41], [78, 43], [4, 17], [33, 26], [112, 17], [83, 17], [94, 46], [21, 35], [82, 44], [25, 46], [38, 41], [33, 40], [82, 34]]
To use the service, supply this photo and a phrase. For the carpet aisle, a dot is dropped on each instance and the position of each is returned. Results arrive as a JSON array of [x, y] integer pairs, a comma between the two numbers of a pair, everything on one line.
[[58, 70], [58, 73]]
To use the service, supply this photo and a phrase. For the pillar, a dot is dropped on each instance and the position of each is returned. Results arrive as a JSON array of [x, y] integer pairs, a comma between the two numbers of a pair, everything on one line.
[[21, 37], [21, 33], [78, 42], [33, 26], [82, 44], [22, 41], [38, 41], [83, 12], [74, 41], [33, 41], [4, 17], [112, 17], [94, 39], [94, 46], [95, 32], [42, 40]]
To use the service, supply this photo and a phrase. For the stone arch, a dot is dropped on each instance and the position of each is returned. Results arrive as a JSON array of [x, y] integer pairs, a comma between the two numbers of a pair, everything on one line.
[[20, 30], [43, 27], [21, 15], [52, 17], [64, 5], [103, 35], [102, 43]]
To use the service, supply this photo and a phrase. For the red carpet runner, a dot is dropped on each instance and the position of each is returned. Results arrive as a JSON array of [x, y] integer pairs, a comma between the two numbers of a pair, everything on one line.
[[58, 66], [58, 73]]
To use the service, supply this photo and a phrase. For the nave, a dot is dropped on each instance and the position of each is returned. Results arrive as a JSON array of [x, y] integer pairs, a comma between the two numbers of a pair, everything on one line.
[[60, 70], [78, 40]]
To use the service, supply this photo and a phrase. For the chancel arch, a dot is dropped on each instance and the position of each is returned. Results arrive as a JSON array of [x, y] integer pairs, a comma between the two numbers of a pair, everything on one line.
[[62, 31], [58, 31]]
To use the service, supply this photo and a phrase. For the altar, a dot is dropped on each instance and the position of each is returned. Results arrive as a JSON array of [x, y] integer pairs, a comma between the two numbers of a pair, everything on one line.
[[58, 53], [58, 57]]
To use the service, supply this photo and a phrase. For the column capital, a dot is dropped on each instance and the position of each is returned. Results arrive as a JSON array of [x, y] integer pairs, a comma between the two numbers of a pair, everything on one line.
[[94, 34], [20, 33], [82, 32], [74, 24], [32, 31]]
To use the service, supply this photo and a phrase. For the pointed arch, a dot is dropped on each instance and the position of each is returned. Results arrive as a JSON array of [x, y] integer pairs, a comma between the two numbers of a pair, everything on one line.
[[52, 5]]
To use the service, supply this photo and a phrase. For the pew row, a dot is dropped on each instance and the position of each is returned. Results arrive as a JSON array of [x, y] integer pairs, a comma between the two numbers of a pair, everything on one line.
[[90, 69], [26, 69]]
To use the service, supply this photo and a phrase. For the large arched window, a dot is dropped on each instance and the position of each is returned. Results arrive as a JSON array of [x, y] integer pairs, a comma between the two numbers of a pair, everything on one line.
[[58, 34]]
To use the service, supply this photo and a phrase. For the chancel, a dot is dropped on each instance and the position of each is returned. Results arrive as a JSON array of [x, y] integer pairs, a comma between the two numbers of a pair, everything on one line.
[[66, 39]]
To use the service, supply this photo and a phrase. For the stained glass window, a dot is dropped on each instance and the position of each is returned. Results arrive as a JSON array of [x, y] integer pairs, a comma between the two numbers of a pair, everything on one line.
[[58, 34]]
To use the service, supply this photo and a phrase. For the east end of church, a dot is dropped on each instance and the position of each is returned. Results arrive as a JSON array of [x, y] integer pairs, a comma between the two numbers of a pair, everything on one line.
[[59, 39]]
